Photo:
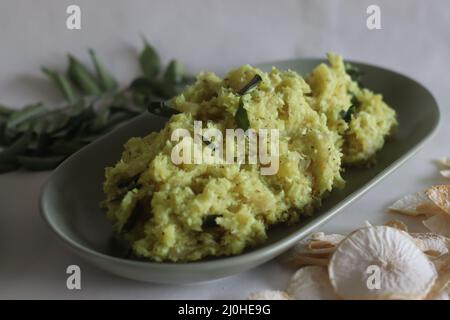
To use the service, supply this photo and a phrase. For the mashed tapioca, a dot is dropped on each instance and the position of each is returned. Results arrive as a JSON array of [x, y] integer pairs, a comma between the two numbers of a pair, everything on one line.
[[185, 212], [190, 211], [360, 117]]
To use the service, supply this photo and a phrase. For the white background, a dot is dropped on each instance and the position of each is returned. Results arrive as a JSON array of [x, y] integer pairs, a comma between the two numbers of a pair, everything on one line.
[[205, 35]]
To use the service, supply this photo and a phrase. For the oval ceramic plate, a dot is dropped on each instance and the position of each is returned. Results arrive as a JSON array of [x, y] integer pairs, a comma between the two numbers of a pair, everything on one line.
[[70, 199]]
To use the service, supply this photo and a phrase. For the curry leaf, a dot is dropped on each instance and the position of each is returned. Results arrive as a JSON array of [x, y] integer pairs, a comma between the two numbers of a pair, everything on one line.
[[352, 110], [175, 72], [137, 214], [62, 82], [142, 85], [150, 61], [210, 221], [56, 121], [347, 115], [163, 89], [25, 114], [81, 77], [38, 138], [100, 121], [104, 78], [241, 117]]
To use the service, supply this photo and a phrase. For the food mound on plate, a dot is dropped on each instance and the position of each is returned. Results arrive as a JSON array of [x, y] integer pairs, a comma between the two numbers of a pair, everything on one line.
[[360, 117], [170, 211]]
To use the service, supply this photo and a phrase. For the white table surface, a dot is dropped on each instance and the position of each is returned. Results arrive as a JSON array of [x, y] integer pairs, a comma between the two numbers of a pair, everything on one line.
[[205, 35]]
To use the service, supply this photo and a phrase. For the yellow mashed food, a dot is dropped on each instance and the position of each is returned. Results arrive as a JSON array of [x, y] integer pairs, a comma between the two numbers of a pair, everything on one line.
[[186, 212], [360, 117]]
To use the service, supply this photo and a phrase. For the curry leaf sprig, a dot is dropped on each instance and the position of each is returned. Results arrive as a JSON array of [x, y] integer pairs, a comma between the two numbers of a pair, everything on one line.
[[37, 137]]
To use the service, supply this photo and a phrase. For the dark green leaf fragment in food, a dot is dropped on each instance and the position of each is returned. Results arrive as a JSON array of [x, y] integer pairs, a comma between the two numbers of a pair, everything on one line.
[[40, 163], [161, 108], [81, 77], [251, 85], [105, 80], [175, 72], [355, 102], [139, 213], [210, 222], [150, 61], [129, 184], [354, 72], [347, 115], [62, 82], [241, 117]]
